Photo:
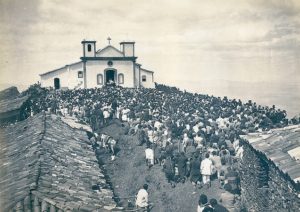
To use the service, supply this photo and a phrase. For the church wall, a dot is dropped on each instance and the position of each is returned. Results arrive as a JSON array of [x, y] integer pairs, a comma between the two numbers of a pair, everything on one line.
[[137, 76], [92, 64], [87, 53], [74, 81], [128, 50], [47, 80], [109, 52], [93, 68], [67, 75], [149, 79]]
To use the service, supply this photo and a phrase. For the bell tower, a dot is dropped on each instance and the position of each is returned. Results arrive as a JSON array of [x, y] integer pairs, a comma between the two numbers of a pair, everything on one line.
[[89, 48], [127, 47]]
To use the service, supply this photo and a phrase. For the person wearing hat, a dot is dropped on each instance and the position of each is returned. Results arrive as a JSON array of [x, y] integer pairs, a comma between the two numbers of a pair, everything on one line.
[[203, 204], [142, 197]]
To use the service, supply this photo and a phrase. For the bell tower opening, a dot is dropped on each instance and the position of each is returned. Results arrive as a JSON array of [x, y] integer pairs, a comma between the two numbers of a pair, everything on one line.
[[89, 48]]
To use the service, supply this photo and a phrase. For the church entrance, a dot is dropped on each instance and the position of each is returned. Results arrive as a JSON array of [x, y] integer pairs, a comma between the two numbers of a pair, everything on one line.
[[110, 77], [56, 83]]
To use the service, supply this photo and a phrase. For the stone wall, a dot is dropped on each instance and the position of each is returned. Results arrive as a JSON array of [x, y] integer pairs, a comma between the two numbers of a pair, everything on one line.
[[263, 186]]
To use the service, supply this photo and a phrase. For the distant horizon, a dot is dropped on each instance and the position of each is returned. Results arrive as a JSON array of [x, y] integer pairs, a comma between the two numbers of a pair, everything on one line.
[[217, 47]]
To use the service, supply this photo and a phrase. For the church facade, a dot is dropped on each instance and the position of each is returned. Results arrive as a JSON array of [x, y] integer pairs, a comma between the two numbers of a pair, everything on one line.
[[98, 68]]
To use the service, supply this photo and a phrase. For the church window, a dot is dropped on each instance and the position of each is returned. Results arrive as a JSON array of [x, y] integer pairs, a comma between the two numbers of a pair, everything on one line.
[[100, 79], [121, 78], [144, 79], [89, 47], [80, 74]]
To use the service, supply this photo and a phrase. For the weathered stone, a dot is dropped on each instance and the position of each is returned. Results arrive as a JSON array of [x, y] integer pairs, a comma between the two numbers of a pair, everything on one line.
[[264, 186], [52, 161]]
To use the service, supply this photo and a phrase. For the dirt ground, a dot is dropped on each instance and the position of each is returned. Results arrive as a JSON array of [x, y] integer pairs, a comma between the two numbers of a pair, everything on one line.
[[128, 172]]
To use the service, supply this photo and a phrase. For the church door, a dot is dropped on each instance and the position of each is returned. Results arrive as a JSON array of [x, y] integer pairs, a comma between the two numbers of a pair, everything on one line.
[[56, 83], [110, 76]]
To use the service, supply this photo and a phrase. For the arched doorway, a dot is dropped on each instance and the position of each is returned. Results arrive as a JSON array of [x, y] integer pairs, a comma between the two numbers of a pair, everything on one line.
[[56, 83], [110, 76]]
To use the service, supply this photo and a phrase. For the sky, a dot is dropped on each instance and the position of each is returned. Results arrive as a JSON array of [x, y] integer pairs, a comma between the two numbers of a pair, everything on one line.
[[188, 43]]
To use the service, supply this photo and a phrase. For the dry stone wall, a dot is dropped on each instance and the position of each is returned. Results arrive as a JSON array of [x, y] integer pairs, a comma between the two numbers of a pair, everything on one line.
[[263, 186]]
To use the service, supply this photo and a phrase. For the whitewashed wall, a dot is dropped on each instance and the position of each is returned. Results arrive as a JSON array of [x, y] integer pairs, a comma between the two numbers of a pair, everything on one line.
[[149, 79], [127, 49], [93, 68], [86, 52], [137, 75], [67, 75], [109, 51]]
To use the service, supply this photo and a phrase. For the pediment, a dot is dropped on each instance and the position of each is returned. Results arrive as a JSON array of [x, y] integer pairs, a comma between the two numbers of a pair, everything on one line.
[[109, 51]]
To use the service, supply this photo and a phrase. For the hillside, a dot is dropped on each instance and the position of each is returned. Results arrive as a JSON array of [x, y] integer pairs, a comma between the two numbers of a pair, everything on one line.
[[128, 172], [9, 93], [205, 123]]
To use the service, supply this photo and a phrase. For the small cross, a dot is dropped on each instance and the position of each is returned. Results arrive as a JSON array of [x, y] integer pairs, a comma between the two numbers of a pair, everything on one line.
[[109, 39]]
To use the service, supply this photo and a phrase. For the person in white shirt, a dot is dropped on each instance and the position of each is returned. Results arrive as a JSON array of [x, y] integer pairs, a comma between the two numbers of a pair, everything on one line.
[[185, 141], [142, 197], [124, 115], [236, 144], [106, 115], [149, 156], [240, 152], [198, 140], [157, 124], [206, 168], [196, 128]]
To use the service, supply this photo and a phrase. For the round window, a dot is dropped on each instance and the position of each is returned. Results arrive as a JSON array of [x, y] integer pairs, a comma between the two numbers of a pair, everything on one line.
[[110, 63]]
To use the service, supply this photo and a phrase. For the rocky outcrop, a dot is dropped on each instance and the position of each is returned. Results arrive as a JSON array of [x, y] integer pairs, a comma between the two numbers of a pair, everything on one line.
[[11, 92]]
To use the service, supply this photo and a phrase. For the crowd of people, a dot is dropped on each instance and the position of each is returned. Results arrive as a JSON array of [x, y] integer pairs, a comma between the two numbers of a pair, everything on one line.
[[193, 137], [194, 160]]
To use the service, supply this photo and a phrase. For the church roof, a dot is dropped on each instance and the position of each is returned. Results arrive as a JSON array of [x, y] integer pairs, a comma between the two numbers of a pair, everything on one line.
[[146, 70], [47, 158], [57, 69], [113, 50], [127, 42], [7, 105]]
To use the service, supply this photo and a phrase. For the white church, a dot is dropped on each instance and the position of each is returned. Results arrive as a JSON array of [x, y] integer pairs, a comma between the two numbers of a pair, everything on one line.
[[98, 68]]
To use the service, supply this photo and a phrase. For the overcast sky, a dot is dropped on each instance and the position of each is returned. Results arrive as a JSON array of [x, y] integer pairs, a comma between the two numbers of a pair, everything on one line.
[[182, 41]]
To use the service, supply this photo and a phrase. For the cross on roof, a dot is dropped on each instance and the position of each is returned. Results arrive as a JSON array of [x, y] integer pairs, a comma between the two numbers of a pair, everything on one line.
[[109, 39]]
